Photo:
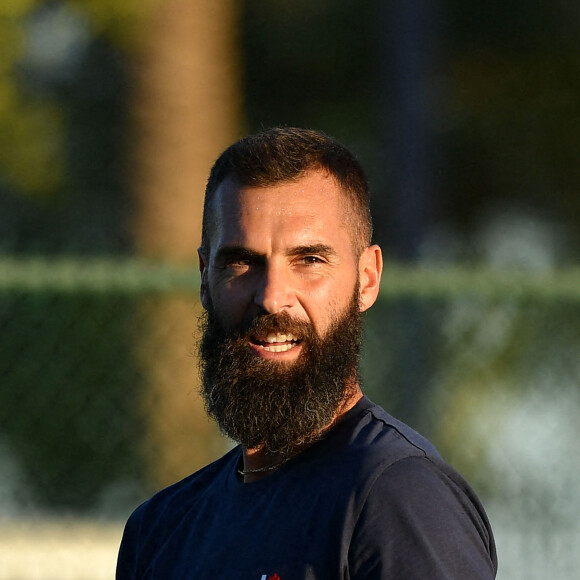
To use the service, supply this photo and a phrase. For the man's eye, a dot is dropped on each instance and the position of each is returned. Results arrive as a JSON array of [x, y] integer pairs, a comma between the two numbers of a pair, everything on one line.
[[311, 260], [241, 263]]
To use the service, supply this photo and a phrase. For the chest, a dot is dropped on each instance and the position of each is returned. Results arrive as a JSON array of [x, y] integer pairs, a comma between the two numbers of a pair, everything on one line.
[[282, 533]]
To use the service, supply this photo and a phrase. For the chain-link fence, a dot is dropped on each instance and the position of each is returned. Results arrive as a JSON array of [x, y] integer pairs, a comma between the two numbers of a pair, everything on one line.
[[99, 403]]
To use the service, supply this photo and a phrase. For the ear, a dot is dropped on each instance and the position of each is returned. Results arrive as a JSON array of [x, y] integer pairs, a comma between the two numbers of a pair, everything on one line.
[[370, 270], [203, 289]]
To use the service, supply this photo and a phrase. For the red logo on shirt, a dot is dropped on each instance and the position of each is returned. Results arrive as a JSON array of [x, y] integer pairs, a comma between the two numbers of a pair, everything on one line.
[[275, 577]]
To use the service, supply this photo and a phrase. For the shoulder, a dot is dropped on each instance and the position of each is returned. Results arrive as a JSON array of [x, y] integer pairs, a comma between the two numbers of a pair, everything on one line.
[[422, 521], [369, 433], [171, 504], [417, 516], [428, 489], [149, 526]]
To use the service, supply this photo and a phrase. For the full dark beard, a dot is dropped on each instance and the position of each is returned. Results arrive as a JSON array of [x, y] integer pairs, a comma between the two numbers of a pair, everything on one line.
[[272, 405]]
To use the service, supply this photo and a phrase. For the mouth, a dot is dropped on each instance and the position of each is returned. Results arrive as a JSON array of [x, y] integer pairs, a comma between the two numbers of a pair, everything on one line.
[[276, 341]]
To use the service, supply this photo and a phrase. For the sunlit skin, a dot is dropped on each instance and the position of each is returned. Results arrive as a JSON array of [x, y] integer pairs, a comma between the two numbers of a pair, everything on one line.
[[288, 248]]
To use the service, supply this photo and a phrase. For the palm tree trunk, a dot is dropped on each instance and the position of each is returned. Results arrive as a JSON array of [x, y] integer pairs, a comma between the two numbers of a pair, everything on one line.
[[186, 108]]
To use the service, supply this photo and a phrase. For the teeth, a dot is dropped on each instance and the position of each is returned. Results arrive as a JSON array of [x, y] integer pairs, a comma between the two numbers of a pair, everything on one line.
[[280, 347], [279, 337]]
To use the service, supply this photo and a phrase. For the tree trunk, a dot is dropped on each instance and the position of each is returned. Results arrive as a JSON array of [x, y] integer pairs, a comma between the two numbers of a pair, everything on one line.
[[186, 110]]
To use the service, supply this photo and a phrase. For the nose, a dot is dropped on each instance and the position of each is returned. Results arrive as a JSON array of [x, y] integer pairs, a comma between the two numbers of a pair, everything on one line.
[[275, 291]]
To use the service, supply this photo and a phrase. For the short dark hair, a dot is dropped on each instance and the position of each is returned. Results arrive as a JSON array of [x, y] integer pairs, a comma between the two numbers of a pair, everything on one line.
[[286, 154]]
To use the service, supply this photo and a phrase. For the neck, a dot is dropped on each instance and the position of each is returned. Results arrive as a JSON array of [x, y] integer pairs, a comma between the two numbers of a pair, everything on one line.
[[259, 462]]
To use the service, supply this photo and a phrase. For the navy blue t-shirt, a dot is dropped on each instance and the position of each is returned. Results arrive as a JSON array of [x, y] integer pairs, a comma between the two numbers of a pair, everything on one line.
[[371, 500]]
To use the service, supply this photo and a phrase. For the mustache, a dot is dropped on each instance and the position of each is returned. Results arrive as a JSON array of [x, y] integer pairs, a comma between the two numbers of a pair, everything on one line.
[[280, 322]]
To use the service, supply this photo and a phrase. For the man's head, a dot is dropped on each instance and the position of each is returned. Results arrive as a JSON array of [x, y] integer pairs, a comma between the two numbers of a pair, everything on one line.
[[286, 272], [284, 155]]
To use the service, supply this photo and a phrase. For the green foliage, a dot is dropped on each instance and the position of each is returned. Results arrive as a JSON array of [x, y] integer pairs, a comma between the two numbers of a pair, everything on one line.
[[68, 403], [30, 129], [122, 22], [16, 9], [31, 145], [34, 125]]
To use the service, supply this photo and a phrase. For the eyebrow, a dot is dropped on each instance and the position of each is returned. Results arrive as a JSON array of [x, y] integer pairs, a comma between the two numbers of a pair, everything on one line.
[[321, 249], [226, 253]]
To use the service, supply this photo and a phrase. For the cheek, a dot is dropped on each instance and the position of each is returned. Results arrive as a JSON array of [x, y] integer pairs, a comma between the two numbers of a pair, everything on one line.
[[230, 302], [336, 290], [324, 305]]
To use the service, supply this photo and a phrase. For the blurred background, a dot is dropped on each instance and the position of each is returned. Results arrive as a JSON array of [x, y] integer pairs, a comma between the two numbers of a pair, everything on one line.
[[467, 118]]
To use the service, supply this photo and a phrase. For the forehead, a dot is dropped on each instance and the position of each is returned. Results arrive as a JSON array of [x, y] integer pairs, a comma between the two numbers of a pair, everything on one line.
[[310, 206]]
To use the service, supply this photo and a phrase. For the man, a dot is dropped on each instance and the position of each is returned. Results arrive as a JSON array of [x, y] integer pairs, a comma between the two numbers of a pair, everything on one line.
[[324, 484]]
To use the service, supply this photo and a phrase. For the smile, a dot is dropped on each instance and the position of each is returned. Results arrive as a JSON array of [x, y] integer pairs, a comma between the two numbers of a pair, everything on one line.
[[276, 342]]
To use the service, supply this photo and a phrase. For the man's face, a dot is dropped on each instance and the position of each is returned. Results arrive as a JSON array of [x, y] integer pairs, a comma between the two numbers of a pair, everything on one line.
[[283, 300], [286, 248]]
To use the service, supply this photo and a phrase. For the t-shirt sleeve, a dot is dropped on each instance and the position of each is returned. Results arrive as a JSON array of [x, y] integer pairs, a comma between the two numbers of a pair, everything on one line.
[[421, 522], [128, 552]]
